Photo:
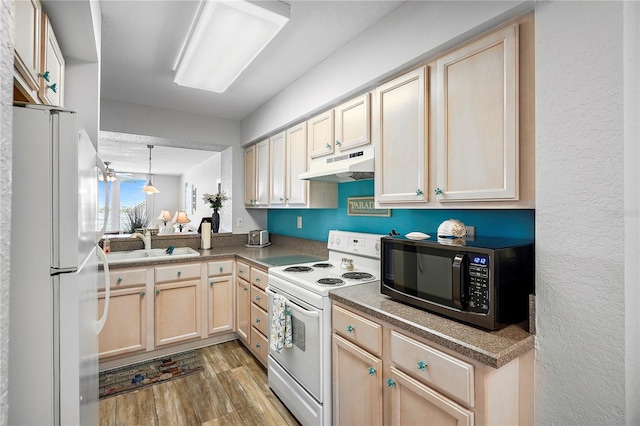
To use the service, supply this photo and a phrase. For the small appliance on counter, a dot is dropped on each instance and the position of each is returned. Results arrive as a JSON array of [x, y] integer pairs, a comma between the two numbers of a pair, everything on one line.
[[258, 238]]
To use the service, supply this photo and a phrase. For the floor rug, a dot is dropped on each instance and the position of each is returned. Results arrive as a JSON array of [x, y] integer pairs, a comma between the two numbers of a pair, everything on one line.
[[148, 373]]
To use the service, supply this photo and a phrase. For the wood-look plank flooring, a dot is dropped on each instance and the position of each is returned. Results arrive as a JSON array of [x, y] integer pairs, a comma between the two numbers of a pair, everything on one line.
[[232, 390]]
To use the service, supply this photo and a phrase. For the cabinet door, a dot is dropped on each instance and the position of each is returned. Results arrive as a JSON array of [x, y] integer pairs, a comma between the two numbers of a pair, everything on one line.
[[220, 304], [243, 310], [400, 120], [27, 41], [177, 312], [353, 126], [357, 385], [477, 120], [320, 134], [297, 189], [250, 176], [278, 166], [126, 328], [262, 173], [52, 65], [413, 403]]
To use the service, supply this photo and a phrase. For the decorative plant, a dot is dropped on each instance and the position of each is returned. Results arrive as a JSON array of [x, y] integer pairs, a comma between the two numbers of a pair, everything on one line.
[[215, 200], [137, 217]]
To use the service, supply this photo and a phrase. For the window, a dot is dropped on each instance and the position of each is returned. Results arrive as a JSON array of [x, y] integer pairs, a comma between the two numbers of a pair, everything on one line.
[[125, 194]]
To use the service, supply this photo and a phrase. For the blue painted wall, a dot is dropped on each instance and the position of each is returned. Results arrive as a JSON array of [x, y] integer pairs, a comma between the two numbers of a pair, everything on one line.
[[316, 223]]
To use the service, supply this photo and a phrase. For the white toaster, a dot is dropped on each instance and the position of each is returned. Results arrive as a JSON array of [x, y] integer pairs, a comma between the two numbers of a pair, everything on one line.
[[259, 237]]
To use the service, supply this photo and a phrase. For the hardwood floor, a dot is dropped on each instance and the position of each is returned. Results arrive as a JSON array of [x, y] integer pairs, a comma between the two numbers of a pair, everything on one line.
[[232, 390]]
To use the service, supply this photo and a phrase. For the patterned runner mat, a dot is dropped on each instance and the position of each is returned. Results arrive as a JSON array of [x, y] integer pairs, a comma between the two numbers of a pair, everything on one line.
[[148, 373]]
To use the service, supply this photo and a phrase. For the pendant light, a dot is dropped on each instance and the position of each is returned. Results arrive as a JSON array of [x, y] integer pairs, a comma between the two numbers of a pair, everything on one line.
[[150, 189]]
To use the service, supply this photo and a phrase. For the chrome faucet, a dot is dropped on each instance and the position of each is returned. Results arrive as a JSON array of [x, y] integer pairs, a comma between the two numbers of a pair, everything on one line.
[[146, 238]]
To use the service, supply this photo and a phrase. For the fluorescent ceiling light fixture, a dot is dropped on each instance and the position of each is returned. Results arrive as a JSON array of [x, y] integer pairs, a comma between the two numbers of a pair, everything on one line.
[[224, 39]]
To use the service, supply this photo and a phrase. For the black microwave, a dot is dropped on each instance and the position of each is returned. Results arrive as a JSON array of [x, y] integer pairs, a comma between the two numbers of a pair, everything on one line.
[[485, 282]]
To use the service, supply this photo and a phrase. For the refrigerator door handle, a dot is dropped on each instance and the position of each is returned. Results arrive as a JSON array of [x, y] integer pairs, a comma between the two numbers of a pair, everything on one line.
[[107, 286], [103, 168]]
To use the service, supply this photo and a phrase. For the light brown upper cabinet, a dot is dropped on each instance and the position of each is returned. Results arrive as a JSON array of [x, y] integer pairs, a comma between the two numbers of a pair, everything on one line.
[[320, 134], [51, 67], [38, 75], [28, 15], [278, 165], [296, 163], [256, 175], [477, 136], [399, 138], [352, 120]]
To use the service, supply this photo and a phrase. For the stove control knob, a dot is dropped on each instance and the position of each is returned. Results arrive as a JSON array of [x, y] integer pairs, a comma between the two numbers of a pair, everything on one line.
[[331, 240], [377, 246]]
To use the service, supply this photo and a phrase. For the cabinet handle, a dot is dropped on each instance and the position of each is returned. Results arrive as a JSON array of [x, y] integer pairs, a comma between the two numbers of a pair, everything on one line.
[[257, 279], [143, 293], [179, 273], [419, 192], [338, 142], [328, 146], [221, 269], [45, 75], [438, 191], [119, 280], [257, 298], [350, 329], [240, 271], [245, 289], [257, 345], [391, 383], [372, 371], [157, 291], [281, 199], [286, 199], [53, 87], [211, 283], [422, 365], [257, 320]]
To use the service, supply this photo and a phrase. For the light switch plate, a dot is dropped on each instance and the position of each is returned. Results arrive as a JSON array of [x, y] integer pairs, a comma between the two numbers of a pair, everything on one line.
[[299, 222]]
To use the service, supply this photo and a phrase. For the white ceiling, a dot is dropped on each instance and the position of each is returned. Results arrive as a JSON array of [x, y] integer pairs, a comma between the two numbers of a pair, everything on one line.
[[141, 41]]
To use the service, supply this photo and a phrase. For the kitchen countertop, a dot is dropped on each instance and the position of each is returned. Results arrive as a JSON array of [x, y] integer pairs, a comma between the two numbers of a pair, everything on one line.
[[493, 348], [259, 257]]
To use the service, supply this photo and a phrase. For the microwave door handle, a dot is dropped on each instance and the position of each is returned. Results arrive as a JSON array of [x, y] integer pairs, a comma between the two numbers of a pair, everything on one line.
[[458, 261]]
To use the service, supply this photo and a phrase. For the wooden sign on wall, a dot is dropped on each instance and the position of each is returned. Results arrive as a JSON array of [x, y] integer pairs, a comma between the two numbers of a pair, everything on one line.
[[365, 206]]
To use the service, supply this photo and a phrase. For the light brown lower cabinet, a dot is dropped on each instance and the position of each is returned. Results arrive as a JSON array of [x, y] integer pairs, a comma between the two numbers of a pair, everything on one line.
[[243, 309], [411, 381], [177, 312], [125, 331]]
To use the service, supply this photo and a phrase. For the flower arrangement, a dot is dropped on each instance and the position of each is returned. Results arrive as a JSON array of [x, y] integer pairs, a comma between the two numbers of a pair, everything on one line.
[[136, 217], [215, 200]]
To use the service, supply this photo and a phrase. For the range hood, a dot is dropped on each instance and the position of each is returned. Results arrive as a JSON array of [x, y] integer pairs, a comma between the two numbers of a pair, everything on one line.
[[356, 165]]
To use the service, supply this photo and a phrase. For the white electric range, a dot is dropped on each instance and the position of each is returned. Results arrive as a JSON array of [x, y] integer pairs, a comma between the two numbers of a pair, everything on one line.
[[301, 375]]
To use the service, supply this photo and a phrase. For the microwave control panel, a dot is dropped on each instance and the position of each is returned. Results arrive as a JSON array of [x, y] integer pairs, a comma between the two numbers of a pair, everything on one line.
[[478, 274]]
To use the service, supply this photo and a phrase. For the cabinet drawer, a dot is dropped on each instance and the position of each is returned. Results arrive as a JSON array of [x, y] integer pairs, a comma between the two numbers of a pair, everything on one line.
[[438, 369], [243, 271], [223, 267], [177, 272], [259, 346], [259, 319], [357, 329], [259, 278], [259, 297], [123, 278]]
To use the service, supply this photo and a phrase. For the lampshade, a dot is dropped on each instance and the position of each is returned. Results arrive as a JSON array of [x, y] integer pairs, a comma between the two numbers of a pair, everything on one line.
[[165, 216], [149, 188], [180, 218], [224, 39]]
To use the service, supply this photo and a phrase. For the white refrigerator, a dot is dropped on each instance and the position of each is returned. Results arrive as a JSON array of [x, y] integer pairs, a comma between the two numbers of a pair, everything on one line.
[[54, 325]]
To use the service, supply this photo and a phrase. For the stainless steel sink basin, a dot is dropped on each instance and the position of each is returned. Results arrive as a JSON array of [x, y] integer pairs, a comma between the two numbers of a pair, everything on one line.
[[150, 255]]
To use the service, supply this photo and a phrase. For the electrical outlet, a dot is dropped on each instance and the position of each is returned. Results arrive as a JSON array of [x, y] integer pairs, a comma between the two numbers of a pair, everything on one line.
[[239, 222], [471, 231], [299, 222]]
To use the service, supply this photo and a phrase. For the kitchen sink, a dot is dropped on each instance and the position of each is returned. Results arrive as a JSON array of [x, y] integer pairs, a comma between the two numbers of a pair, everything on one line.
[[150, 255]]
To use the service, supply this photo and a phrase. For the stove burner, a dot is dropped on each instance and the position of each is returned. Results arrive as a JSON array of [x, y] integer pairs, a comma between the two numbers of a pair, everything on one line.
[[296, 269], [330, 281], [357, 276], [323, 265]]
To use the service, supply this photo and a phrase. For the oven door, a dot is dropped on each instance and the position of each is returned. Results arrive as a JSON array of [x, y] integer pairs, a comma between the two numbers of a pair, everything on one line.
[[304, 359]]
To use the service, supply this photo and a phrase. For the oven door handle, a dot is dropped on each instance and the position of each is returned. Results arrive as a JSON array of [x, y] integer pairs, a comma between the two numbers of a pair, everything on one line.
[[301, 310]]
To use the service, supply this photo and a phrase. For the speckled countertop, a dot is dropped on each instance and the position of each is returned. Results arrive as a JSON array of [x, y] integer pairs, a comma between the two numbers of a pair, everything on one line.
[[493, 348]]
